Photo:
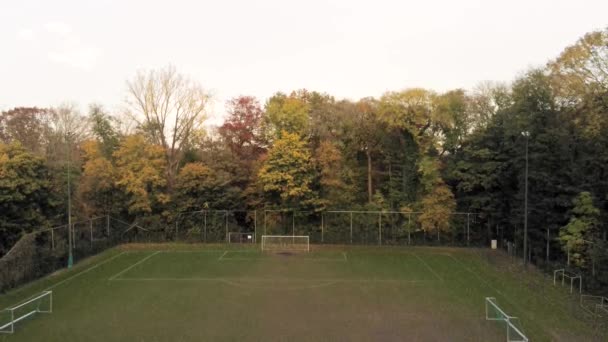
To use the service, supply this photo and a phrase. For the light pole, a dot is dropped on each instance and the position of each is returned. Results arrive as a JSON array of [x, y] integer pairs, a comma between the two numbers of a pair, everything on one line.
[[70, 240], [526, 134]]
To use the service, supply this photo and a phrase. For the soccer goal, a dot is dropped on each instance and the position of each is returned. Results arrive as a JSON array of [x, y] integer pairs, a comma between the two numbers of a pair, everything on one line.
[[285, 243], [41, 303], [495, 313], [572, 277], [237, 237]]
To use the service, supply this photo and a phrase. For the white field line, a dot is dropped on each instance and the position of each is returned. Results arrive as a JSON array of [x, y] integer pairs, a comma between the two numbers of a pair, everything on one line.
[[222, 256], [345, 258], [85, 271], [135, 264], [428, 267], [276, 280], [522, 312]]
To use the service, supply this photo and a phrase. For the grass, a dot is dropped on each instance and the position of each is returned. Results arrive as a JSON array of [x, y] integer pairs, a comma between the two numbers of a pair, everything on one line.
[[181, 292]]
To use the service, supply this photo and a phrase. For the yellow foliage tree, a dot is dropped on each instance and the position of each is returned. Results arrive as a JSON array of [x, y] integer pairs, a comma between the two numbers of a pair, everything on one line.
[[141, 169]]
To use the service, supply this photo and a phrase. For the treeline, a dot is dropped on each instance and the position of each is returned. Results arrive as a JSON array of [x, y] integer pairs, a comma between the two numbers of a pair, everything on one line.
[[414, 149]]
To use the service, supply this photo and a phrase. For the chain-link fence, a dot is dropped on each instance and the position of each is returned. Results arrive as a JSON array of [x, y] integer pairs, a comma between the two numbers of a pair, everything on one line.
[[42, 252]]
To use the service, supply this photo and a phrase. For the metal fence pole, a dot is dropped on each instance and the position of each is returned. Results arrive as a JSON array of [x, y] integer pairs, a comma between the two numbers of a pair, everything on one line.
[[53, 239], [409, 229], [205, 227], [351, 227], [468, 230], [293, 223], [255, 226], [91, 231], [322, 229], [108, 225], [226, 219], [380, 228]]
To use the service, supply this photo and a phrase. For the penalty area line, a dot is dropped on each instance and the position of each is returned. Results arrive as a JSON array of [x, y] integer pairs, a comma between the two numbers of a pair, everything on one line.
[[428, 267], [85, 271], [135, 264], [222, 256]]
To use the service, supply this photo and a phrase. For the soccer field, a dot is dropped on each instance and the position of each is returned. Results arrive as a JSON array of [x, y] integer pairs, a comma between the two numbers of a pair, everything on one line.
[[183, 292]]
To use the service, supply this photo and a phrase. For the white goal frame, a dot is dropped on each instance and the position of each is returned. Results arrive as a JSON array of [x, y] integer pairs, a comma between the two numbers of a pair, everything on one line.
[[9, 327], [288, 245], [519, 335], [231, 236], [572, 276]]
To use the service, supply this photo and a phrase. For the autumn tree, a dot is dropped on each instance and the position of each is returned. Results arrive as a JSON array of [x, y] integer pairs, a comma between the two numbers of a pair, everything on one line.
[[577, 236], [437, 202], [242, 128], [336, 187], [27, 125], [198, 187], [169, 109], [286, 114], [141, 169], [97, 192], [288, 173], [27, 198]]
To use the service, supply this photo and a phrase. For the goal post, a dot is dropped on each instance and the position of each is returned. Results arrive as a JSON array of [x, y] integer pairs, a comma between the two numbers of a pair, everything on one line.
[[285, 243], [572, 277], [41, 303], [238, 237], [495, 313]]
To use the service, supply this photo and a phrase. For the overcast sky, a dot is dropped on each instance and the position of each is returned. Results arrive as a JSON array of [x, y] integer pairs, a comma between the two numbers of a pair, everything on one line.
[[83, 51]]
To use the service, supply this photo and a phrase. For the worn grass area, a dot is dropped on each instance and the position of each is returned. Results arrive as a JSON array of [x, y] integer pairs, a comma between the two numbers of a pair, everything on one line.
[[175, 292]]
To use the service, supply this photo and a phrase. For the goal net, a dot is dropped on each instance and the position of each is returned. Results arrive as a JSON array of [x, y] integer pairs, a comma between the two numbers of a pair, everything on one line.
[[41, 303], [495, 313], [285, 243], [237, 237]]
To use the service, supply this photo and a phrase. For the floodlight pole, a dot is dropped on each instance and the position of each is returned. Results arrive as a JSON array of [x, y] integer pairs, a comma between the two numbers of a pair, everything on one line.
[[70, 242], [527, 135]]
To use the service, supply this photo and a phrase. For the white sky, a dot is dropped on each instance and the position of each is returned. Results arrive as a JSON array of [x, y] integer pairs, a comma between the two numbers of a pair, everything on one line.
[[83, 51]]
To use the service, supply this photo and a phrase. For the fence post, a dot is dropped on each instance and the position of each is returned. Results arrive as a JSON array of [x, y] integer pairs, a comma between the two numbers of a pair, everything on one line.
[[52, 239], [380, 228], [351, 227], [255, 226], [205, 227], [91, 231], [548, 237], [226, 219], [468, 234], [322, 229], [293, 223], [409, 229], [108, 225]]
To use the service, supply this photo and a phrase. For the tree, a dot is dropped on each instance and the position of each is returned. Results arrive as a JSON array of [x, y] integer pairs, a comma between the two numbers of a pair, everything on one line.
[[169, 109], [582, 68], [27, 125], [242, 129], [141, 169], [27, 199], [104, 130], [335, 180], [437, 207], [580, 230], [288, 174], [97, 191], [286, 114], [198, 187]]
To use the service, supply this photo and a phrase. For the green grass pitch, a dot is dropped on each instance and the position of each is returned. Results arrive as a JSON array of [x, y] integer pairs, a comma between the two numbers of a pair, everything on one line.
[[187, 292]]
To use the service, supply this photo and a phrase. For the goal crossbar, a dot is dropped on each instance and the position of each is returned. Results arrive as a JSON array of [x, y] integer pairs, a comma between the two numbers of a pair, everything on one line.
[[285, 243], [9, 327]]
